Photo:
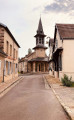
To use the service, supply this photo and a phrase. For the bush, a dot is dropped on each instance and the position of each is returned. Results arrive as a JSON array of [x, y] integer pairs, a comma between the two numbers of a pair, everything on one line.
[[67, 81]]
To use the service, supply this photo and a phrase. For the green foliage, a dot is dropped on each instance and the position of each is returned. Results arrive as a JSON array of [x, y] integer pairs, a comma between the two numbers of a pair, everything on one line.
[[67, 81]]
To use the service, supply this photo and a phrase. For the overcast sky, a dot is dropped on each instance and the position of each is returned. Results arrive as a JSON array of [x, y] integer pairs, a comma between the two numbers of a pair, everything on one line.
[[22, 17]]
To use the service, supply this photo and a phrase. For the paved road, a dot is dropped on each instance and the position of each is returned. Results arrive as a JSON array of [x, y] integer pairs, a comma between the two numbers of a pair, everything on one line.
[[31, 100]]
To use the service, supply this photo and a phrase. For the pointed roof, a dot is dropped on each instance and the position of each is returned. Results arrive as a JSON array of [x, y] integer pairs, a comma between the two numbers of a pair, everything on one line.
[[40, 27]]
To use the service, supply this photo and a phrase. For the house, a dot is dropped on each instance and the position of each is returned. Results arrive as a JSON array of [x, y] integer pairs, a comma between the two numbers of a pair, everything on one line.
[[22, 66], [63, 49], [2, 57], [37, 61], [9, 46]]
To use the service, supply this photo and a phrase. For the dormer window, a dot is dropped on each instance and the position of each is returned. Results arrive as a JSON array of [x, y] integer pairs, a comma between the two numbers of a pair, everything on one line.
[[41, 31]]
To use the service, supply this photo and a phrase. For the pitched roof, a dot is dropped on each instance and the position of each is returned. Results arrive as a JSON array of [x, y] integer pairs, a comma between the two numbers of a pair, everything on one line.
[[23, 59], [29, 54], [45, 59], [66, 31], [6, 28]]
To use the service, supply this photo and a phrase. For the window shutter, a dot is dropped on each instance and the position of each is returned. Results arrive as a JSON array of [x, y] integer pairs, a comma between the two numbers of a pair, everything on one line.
[[8, 68]]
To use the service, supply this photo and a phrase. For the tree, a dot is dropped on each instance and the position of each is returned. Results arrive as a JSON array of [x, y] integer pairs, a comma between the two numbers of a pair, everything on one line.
[[29, 51]]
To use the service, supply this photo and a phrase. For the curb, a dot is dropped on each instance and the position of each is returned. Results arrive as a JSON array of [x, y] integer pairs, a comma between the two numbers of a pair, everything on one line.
[[66, 108], [10, 86]]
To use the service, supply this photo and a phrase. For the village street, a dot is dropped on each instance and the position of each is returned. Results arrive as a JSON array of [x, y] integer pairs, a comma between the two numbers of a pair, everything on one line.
[[31, 99]]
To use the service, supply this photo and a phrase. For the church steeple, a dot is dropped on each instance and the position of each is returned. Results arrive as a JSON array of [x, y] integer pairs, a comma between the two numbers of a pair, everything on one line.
[[40, 27], [40, 36]]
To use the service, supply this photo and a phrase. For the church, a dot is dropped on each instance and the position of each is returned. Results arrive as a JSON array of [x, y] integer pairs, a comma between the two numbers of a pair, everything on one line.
[[36, 61]]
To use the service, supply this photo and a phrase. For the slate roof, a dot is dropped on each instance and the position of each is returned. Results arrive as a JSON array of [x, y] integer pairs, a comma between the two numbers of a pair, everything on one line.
[[40, 29], [66, 31], [6, 28], [26, 57], [39, 59]]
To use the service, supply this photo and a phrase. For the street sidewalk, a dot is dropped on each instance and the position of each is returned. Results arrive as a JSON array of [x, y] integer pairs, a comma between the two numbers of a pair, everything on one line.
[[7, 85], [65, 95]]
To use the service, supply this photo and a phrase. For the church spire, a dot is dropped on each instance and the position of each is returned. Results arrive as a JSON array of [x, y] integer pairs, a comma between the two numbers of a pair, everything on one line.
[[40, 27], [40, 36], [40, 31]]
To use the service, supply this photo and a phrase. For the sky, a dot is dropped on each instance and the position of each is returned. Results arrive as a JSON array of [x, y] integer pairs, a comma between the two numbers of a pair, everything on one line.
[[22, 18]]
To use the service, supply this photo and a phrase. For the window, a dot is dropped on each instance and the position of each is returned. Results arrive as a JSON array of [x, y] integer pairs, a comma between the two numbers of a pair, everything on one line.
[[7, 47], [41, 31], [14, 52], [10, 50], [16, 68]]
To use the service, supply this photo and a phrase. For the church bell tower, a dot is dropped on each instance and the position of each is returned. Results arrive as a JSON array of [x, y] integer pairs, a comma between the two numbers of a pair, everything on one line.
[[40, 36]]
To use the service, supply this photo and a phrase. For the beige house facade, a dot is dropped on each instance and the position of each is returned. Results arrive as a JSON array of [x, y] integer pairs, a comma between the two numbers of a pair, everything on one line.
[[63, 49], [9, 46], [37, 61]]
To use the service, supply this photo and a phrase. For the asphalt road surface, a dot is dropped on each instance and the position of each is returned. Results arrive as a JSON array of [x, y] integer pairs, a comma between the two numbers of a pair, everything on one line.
[[31, 100]]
